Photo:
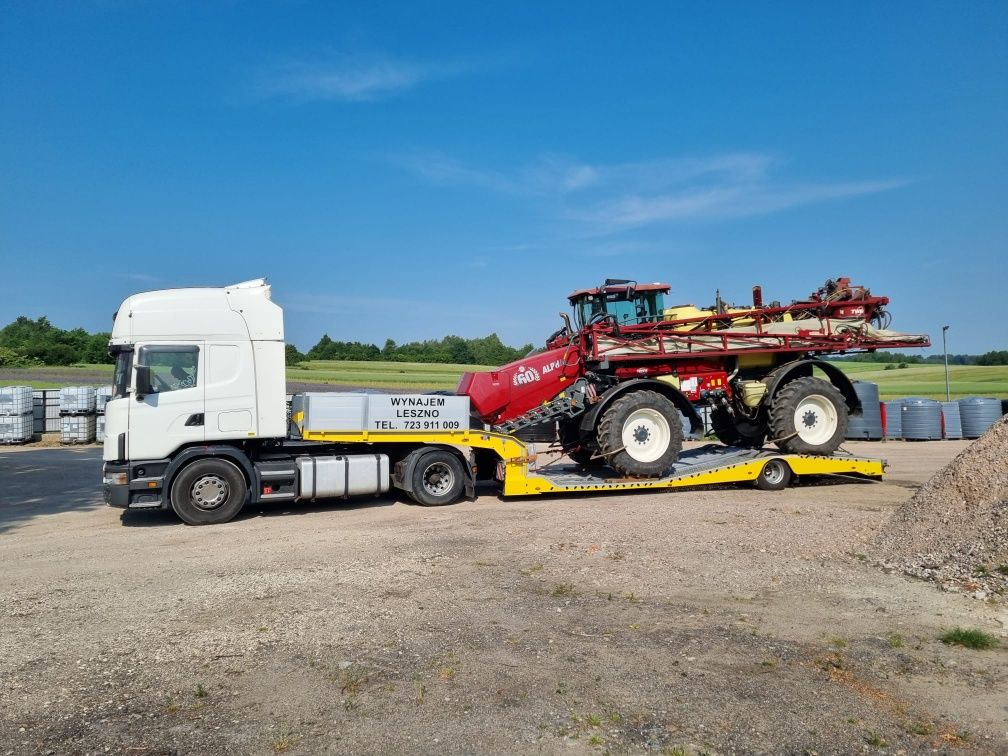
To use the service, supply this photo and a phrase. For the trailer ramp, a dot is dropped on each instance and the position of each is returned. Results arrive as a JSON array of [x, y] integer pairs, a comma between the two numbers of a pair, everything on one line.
[[708, 465]]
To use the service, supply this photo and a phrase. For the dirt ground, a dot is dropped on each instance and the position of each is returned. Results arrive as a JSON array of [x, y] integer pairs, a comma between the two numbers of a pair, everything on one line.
[[699, 621]]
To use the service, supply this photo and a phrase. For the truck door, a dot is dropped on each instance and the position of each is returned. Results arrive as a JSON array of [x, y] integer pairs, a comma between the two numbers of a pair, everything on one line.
[[172, 414], [230, 391]]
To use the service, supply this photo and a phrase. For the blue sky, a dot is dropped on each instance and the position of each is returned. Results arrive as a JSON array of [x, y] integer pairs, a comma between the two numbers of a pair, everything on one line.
[[413, 170]]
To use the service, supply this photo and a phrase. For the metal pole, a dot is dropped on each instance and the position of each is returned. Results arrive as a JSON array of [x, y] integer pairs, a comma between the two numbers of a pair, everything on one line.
[[948, 397]]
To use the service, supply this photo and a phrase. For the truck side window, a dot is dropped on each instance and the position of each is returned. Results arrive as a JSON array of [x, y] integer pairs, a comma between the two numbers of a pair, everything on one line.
[[171, 367]]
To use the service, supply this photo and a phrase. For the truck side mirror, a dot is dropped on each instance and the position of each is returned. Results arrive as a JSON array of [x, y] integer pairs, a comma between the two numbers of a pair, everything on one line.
[[143, 382]]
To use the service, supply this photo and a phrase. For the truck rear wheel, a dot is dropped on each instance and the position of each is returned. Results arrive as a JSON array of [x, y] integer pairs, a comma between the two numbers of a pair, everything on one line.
[[640, 434], [208, 491], [808, 416], [438, 479]]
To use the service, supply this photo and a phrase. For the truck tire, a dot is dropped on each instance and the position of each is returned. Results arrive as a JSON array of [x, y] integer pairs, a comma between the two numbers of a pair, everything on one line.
[[732, 432], [775, 475], [208, 491], [438, 479], [808, 416], [640, 434]]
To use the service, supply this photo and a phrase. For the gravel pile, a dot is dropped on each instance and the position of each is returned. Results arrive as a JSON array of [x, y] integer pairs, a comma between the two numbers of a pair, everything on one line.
[[954, 531]]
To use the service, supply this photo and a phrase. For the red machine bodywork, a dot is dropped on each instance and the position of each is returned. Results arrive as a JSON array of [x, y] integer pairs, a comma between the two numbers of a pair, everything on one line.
[[504, 393], [697, 350]]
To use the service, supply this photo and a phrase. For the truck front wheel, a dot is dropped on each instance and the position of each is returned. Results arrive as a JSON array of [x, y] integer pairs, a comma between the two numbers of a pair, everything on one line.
[[640, 434], [208, 491], [808, 416]]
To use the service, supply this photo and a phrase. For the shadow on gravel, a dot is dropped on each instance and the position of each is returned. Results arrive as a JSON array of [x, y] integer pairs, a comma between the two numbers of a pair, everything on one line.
[[152, 518], [48, 481]]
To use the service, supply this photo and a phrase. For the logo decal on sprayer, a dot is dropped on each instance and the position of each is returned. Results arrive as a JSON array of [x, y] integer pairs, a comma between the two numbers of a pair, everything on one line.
[[525, 376]]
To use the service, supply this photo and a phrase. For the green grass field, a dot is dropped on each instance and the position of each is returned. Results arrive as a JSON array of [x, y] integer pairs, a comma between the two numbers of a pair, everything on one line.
[[418, 375], [913, 380], [929, 380]]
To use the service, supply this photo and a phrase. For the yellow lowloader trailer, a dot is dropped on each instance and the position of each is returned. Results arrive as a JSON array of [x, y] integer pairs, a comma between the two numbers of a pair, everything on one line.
[[529, 469]]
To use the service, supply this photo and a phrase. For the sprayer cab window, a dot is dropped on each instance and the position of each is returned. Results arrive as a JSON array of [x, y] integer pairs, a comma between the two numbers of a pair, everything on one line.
[[171, 368]]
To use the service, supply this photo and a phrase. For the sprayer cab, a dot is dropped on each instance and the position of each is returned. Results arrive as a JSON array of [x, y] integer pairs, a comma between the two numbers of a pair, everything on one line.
[[619, 301]]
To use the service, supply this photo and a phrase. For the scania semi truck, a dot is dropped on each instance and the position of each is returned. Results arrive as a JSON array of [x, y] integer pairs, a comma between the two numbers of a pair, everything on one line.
[[199, 424]]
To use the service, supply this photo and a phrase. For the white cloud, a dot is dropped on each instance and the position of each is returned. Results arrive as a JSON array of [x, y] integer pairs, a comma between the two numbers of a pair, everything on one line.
[[609, 197], [349, 78], [551, 175], [142, 277]]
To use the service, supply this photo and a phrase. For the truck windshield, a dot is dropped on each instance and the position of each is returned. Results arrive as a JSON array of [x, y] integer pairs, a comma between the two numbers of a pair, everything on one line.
[[124, 363]]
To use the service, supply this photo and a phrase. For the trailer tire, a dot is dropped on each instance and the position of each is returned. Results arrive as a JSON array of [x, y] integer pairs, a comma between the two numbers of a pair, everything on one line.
[[640, 434], [208, 492], [775, 475], [438, 479], [808, 416]]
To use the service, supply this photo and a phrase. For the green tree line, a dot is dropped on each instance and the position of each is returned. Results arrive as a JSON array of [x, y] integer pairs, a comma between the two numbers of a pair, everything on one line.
[[999, 357], [27, 342], [489, 350]]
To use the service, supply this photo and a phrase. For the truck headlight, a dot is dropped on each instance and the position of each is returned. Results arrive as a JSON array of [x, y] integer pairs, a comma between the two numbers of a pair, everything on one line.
[[116, 479]]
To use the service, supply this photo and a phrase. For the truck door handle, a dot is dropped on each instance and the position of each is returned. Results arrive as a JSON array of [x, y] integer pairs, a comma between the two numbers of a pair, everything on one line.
[[195, 420]]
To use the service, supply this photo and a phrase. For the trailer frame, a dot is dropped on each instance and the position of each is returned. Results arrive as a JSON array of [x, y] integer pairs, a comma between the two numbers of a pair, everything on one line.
[[709, 465]]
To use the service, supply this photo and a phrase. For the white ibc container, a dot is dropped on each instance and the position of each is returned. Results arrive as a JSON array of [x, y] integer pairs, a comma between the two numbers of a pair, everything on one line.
[[15, 400], [77, 429], [100, 429], [102, 395], [77, 400], [16, 429], [50, 401], [38, 411]]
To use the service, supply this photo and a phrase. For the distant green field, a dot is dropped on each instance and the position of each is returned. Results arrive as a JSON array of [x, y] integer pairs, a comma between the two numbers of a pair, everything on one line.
[[418, 375], [913, 380], [929, 380]]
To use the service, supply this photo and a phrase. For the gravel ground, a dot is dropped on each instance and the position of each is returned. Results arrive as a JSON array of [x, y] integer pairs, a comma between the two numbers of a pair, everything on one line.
[[719, 621], [954, 530]]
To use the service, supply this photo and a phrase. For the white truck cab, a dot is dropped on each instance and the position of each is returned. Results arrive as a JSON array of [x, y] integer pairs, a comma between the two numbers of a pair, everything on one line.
[[193, 367]]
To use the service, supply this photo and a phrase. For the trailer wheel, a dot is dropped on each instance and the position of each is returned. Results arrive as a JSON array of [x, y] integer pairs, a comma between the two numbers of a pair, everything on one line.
[[438, 479], [808, 416], [775, 475], [640, 434], [208, 491]]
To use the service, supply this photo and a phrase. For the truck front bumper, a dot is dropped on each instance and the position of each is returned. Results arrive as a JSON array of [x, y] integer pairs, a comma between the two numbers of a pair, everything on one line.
[[134, 485], [115, 480]]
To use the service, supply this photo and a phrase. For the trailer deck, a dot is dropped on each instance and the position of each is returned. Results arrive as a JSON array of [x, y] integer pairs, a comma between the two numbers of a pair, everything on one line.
[[709, 465]]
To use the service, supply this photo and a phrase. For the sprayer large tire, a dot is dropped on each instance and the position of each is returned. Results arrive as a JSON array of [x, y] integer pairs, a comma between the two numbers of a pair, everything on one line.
[[744, 433], [569, 434], [808, 416], [640, 434]]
